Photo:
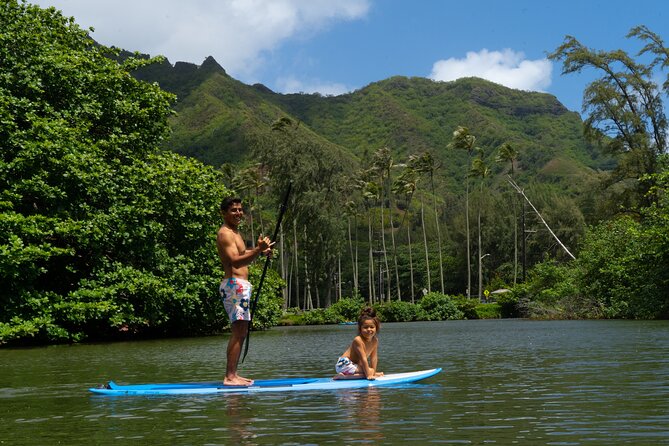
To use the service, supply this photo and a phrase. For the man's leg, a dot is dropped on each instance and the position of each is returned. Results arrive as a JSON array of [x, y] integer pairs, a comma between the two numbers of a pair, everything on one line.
[[238, 334]]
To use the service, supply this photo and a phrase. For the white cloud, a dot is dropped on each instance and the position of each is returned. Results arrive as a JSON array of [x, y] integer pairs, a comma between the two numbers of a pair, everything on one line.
[[293, 85], [505, 67], [236, 32]]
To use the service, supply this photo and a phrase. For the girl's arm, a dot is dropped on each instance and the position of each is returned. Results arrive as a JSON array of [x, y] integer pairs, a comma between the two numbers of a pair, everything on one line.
[[360, 352], [374, 359]]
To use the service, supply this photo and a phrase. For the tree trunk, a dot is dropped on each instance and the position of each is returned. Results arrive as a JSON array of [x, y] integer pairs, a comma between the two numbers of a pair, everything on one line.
[[427, 256], [397, 273], [515, 242], [410, 260], [357, 265], [469, 258], [370, 274], [289, 282], [309, 303], [480, 290], [385, 256], [354, 259], [283, 268], [297, 264], [338, 277], [253, 237], [436, 220]]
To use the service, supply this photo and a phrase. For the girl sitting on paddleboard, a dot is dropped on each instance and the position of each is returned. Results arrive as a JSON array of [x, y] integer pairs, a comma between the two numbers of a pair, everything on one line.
[[360, 359]]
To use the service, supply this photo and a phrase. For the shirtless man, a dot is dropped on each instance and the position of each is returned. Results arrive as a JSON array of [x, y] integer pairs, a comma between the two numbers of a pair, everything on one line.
[[235, 289]]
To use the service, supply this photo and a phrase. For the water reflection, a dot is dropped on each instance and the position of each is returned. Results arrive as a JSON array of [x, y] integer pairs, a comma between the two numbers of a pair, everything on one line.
[[362, 412], [238, 420]]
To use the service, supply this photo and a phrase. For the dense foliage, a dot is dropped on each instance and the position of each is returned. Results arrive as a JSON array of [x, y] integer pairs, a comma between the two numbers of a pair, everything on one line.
[[432, 307], [101, 233], [621, 270]]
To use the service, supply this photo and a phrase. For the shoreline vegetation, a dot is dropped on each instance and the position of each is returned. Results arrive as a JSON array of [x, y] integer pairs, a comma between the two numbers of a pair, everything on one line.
[[432, 307]]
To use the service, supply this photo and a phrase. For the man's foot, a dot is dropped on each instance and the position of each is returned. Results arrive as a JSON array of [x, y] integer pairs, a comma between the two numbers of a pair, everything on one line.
[[237, 381]]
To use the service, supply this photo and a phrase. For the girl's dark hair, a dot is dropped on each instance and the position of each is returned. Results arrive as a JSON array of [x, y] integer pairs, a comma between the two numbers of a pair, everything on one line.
[[368, 313]]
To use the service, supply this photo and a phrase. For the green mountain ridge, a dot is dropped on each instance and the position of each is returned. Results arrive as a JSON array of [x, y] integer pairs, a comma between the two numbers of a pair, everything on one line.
[[217, 115]]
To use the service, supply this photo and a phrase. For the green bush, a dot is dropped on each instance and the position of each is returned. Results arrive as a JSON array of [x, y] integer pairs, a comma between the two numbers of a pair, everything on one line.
[[467, 306], [439, 307], [508, 305], [623, 264], [348, 308], [400, 311], [489, 311], [321, 316]]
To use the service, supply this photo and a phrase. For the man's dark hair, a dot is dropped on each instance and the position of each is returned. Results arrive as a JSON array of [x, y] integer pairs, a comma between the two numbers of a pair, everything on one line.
[[229, 201]]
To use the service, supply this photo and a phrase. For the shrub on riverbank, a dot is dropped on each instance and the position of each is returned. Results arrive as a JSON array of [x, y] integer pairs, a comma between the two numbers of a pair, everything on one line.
[[432, 307]]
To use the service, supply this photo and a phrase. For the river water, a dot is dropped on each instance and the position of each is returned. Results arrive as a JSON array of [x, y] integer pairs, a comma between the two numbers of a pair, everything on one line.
[[504, 382]]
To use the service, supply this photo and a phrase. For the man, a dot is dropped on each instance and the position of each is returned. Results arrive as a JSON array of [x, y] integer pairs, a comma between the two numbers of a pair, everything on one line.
[[235, 288]]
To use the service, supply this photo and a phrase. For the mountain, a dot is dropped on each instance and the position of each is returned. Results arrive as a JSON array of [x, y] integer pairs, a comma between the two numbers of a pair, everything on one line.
[[216, 116]]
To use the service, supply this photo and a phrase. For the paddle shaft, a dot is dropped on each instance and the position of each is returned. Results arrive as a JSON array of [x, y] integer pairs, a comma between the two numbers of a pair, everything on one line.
[[282, 211]]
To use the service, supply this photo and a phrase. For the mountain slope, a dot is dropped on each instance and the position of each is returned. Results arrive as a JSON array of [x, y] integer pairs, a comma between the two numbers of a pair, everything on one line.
[[217, 114]]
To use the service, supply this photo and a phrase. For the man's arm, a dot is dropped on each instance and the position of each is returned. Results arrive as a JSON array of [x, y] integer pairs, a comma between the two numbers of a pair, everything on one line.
[[227, 248]]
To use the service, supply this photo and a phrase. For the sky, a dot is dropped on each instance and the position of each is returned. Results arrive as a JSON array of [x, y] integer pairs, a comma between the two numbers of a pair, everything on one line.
[[338, 46]]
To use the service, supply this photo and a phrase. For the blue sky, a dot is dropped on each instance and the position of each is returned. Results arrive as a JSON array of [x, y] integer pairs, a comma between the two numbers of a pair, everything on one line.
[[336, 46]]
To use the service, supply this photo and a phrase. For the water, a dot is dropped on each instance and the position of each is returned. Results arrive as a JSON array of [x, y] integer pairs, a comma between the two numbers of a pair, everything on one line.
[[505, 382]]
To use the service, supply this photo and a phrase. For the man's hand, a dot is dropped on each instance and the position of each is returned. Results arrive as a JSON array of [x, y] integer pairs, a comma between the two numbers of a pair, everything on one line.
[[264, 245]]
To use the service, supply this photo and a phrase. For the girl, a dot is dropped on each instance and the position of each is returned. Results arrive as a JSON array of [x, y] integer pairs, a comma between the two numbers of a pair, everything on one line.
[[360, 360]]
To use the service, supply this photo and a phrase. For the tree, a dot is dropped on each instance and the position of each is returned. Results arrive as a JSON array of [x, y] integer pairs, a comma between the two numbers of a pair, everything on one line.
[[508, 154], [426, 164], [405, 186], [317, 175], [383, 164], [414, 163], [624, 107], [351, 210], [464, 140], [102, 234], [370, 194], [479, 169]]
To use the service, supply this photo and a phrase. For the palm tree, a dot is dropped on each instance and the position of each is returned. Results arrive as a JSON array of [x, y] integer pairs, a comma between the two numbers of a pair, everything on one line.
[[414, 163], [405, 185], [464, 140], [508, 154], [351, 210], [479, 169], [383, 163], [370, 194], [428, 166]]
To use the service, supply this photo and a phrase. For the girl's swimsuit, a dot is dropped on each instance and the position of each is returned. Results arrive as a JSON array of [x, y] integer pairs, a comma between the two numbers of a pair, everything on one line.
[[345, 366], [236, 296]]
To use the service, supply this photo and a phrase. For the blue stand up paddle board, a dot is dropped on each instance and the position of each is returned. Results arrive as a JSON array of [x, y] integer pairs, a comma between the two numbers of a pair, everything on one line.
[[262, 385]]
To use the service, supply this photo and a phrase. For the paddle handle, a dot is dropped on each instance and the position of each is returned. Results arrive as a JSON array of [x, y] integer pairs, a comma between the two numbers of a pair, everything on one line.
[[282, 211]]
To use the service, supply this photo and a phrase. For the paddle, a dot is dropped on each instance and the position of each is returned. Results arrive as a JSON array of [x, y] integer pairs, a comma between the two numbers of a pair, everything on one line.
[[282, 210]]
